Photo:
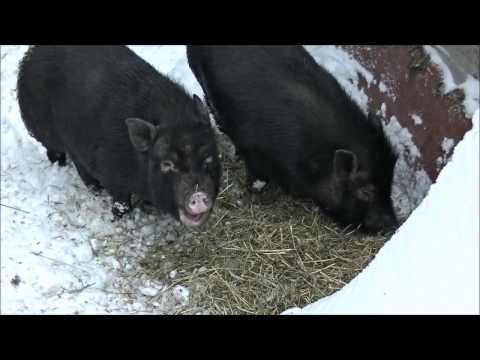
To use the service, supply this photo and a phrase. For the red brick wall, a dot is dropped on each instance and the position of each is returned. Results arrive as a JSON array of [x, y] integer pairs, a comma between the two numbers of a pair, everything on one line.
[[414, 86]]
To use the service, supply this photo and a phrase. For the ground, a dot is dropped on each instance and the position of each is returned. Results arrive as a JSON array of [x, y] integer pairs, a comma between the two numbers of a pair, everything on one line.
[[62, 253]]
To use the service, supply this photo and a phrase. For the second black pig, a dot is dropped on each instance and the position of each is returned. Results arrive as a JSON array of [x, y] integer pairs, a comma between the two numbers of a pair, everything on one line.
[[293, 124]]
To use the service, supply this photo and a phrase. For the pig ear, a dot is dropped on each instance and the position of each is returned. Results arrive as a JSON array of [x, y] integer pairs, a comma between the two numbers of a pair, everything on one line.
[[141, 132], [201, 109], [345, 164]]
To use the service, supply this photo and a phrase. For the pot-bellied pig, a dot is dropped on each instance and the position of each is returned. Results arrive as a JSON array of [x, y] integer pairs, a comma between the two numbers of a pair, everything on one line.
[[293, 124], [126, 127]]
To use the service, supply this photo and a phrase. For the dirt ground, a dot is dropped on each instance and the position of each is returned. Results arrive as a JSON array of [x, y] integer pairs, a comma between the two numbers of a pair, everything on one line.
[[258, 253]]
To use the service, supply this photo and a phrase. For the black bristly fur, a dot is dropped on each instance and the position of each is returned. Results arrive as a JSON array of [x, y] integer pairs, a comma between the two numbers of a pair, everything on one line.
[[287, 117], [76, 99]]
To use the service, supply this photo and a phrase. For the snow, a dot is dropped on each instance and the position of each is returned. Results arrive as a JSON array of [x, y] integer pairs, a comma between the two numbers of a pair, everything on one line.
[[62, 254], [171, 60], [382, 87], [383, 110], [149, 291], [447, 145], [400, 138], [448, 81], [417, 120], [387, 89], [409, 188], [431, 265], [410, 184], [345, 68], [470, 86]]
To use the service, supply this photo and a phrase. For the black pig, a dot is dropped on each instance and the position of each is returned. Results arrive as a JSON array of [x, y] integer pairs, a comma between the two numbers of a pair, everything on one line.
[[126, 127], [293, 124]]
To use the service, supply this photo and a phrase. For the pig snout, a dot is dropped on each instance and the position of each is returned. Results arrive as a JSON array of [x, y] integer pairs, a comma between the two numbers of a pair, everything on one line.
[[198, 203], [383, 222]]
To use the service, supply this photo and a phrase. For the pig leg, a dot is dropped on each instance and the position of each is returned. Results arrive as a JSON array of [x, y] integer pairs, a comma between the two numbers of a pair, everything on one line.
[[121, 203], [57, 156], [88, 179], [256, 183]]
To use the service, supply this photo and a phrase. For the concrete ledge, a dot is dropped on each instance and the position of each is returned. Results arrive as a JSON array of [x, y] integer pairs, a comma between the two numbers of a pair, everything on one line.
[[461, 59]]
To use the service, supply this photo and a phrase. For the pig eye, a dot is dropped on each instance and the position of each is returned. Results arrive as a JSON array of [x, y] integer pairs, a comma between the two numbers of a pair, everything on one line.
[[366, 193], [167, 166]]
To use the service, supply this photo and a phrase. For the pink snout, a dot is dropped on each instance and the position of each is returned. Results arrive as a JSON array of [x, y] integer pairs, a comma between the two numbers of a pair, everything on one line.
[[198, 203]]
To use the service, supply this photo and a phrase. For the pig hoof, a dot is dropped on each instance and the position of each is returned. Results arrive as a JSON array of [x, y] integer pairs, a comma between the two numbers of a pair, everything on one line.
[[56, 156], [96, 189], [120, 208]]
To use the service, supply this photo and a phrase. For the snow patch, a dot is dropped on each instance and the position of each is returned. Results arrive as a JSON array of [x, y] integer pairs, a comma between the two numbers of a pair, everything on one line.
[[345, 69], [400, 138], [382, 87], [150, 292], [410, 183], [448, 81], [470, 86], [447, 145], [387, 89], [417, 120], [383, 110], [409, 188]]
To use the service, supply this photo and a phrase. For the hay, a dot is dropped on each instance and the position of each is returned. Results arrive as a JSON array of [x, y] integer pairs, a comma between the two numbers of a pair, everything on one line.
[[260, 253]]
